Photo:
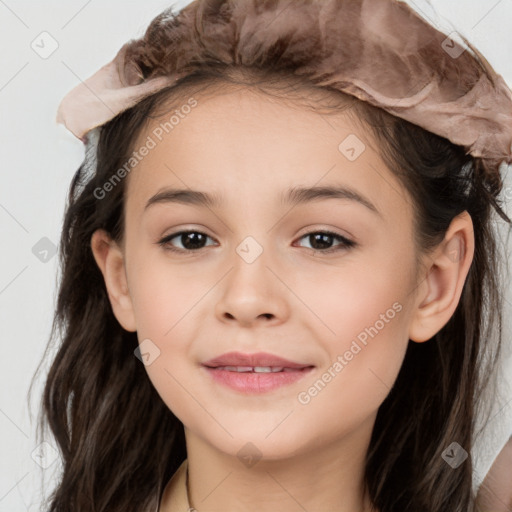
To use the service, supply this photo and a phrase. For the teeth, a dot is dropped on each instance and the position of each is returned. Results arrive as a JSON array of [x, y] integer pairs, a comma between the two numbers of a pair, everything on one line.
[[237, 368], [255, 369], [262, 369]]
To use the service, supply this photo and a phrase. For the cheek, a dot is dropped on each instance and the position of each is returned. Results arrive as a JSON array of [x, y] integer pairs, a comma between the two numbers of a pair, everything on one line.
[[364, 359], [167, 304], [365, 317], [164, 295], [362, 300]]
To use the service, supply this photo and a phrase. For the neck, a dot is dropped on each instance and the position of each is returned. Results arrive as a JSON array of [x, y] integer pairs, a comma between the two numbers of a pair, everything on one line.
[[324, 478]]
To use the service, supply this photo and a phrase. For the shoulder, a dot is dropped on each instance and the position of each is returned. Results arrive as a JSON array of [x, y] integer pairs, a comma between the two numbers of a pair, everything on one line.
[[174, 497]]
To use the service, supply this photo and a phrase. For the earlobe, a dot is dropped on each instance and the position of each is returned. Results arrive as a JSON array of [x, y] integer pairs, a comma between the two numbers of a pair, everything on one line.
[[110, 261], [444, 279]]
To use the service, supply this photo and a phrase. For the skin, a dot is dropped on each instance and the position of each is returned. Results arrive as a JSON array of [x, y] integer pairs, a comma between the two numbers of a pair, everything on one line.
[[495, 493], [292, 301]]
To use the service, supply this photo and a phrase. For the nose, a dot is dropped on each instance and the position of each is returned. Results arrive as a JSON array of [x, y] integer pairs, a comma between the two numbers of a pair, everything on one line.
[[252, 294]]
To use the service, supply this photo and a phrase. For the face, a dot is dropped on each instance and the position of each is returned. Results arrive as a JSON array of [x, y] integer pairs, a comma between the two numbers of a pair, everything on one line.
[[326, 282]]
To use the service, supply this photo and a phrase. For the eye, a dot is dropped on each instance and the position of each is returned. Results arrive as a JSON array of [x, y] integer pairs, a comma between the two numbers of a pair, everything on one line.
[[195, 240], [319, 241], [190, 240]]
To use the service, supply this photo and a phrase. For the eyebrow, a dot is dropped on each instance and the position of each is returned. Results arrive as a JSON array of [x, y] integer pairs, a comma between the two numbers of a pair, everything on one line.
[[293, 196]]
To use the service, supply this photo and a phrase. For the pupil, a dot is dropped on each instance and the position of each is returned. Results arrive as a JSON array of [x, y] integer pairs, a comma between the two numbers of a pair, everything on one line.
[[317, 238], [186, 237]]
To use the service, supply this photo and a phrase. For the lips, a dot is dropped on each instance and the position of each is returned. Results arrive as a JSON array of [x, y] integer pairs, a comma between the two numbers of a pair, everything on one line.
[[254, 361], [254, 373]]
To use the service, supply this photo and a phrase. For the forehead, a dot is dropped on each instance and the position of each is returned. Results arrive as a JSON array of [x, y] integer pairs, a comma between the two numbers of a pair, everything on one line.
[[242, 145]]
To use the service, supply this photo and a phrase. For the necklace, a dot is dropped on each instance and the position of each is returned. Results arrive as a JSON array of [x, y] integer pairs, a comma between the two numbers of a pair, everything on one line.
[[190, 509]]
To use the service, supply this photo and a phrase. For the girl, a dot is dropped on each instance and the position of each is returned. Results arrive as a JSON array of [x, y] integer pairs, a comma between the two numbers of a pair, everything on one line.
[[279, 285]]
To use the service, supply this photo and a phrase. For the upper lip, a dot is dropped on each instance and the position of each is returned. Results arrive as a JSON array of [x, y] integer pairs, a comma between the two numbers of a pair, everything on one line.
[[257, 359]]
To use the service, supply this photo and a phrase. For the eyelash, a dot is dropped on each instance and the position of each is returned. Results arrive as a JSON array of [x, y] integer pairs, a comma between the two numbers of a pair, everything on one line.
[[345, 242]]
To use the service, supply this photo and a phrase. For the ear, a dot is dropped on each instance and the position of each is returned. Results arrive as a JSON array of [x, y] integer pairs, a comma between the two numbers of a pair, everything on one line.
[[110, 260], [446, 272]]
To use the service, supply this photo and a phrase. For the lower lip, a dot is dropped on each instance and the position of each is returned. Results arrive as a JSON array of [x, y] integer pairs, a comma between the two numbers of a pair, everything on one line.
[[251, 382]]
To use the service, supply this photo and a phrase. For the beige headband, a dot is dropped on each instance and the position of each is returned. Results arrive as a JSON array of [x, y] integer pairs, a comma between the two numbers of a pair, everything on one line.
[[397, 61]]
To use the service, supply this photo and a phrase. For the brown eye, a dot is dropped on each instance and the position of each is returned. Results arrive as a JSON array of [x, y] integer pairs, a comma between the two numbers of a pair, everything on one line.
[[190, 241], [322, 241]]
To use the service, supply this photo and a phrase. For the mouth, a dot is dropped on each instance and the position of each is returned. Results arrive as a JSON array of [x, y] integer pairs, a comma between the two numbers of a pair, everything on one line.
[[255, 373], [256, 369]]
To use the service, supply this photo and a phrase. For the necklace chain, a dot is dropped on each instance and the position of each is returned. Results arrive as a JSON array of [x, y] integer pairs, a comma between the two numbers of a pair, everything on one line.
[[190, 509]]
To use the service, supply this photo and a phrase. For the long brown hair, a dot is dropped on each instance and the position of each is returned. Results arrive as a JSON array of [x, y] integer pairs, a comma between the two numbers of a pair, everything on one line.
[[119, 442]]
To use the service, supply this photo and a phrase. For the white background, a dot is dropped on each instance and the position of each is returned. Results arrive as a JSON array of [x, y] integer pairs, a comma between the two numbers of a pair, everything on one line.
[[38, 159]]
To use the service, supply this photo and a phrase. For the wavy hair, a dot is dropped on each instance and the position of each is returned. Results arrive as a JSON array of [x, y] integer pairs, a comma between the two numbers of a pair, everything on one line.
[[119, 442]]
